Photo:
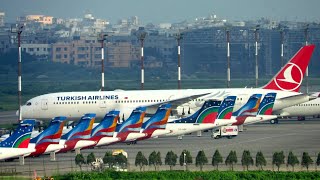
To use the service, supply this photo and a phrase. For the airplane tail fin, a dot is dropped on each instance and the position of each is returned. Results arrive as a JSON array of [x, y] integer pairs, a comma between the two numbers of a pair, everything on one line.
[[159, 119], [134, 122], [251, 107], [290, 77], [52, 134], [83, 129], [21, 136], [206, 114], [226, 108], [108, 124], [266, 104]]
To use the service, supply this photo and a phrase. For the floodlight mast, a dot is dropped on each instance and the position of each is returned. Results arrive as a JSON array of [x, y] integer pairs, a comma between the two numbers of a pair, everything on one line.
[[18, 29], [256, 52], [141, 36], [306, 29], [228, 57], [179, 37], [101, 38]]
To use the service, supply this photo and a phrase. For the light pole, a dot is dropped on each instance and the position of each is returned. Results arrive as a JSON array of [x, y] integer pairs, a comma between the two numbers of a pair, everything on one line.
[[179, 37], [306, 29], [18, 30], [184, 161], [141, 36], [256, 52], [101, 38], [228, 57], [282, 46]]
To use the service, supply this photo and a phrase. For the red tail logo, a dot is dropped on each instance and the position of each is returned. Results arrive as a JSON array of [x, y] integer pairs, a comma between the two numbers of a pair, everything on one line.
[[290, 77]]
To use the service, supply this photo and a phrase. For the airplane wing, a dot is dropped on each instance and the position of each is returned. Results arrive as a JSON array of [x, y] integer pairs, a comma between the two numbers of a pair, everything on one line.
[[298, 96], [176, 102]]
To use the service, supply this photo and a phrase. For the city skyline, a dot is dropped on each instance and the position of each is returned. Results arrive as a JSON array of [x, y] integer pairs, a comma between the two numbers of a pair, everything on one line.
[[166, 11]]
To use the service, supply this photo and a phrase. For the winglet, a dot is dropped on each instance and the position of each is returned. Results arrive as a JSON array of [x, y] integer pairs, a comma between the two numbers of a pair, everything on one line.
[[159, 119], [266, 104], [107, 126], [290, 77], [21, 136], [83, 129]]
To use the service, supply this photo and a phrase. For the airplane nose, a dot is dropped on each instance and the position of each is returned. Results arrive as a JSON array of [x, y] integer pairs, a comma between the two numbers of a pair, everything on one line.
[[17, 113]]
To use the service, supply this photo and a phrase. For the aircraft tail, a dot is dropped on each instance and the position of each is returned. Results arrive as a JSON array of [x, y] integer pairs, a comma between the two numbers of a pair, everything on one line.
[[134, 122], [266, 104], [226, 108], [52, 134], [159, 119], [20, 138], [251, 107], [83, 129], [107, 126], [290, 77]]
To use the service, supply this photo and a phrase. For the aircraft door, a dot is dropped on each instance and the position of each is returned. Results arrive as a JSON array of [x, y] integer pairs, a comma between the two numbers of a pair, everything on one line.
[[44, 104]]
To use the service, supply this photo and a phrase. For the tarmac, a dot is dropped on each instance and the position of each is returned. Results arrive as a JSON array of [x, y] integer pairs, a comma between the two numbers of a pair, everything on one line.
[[288, 135]]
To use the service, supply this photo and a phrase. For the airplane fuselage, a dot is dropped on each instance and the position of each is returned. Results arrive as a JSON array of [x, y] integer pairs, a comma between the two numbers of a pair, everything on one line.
[[75, 104]]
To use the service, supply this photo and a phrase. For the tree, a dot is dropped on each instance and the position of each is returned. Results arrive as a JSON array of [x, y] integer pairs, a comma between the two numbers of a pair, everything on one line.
[[278, 159], [80, 160], [260, 160], [121, 160], [201, 159], [109, 159], [153, 160], [231, 159], [292, 160], [318, 160], [158, 159], [306, 160], [216, 159], [171, 159], [141, 160], [246, 160], [90, 158], [185, 158]]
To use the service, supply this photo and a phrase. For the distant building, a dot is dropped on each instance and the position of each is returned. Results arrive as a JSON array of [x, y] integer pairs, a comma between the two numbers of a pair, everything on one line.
[[87, 52], [40, 18], [41, 51]]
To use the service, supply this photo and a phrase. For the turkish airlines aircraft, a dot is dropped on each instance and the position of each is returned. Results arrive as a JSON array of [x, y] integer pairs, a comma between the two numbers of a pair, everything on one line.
[[18, 143], [286, 83]]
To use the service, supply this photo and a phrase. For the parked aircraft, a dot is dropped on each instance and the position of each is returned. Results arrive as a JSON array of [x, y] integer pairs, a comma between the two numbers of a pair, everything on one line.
[[17, 144], [211, 115], [48, 140], [286, 83], [78, 136]]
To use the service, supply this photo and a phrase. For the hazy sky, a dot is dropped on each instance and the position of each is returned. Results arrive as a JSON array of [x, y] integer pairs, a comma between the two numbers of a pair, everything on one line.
[[158, 11]]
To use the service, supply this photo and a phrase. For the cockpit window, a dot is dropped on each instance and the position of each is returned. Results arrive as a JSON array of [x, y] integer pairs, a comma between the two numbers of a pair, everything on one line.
[[28, 103]]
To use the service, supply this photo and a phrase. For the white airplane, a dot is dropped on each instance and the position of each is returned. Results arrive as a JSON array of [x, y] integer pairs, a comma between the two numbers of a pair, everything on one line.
[[310, 108], [17, 145], [286, 83], [211, 115]]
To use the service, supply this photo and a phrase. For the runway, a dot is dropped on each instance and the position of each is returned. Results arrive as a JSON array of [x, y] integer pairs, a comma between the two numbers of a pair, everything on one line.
[[288, 135]]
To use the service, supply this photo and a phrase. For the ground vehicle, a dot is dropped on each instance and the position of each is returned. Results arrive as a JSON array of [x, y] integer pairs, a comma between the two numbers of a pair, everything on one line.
[[226, 131]]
